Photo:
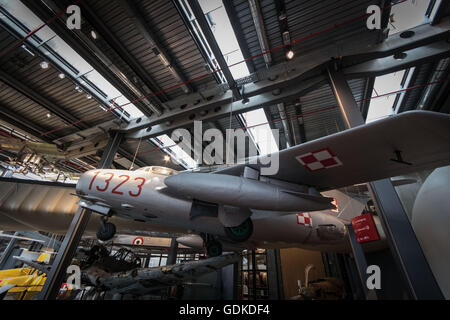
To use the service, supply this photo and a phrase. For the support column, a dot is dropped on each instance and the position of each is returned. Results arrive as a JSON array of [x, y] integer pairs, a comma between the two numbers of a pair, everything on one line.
[[76, 230], [274, 276], [172, 256], [361, 264], [403, 243]]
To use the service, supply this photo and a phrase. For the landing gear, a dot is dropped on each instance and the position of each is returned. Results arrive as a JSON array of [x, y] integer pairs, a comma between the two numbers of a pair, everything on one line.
[[213, 248], [241, 232], [106, 231]]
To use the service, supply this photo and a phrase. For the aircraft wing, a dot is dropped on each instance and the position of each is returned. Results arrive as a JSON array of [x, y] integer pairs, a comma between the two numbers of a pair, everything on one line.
[[365, 153], [144, 280]]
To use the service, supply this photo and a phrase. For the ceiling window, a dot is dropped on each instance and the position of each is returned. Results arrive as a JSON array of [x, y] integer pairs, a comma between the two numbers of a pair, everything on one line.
[[409, 14], [381, 107]]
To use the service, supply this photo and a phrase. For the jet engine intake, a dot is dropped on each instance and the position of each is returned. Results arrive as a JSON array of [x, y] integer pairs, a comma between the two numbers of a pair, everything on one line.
[[233, 216]]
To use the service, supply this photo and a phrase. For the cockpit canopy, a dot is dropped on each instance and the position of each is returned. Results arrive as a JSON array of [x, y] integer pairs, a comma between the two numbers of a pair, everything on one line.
[[158, 170]]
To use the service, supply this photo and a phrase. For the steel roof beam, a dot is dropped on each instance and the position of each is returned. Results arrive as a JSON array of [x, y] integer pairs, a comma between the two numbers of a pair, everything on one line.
[[300, 121], [300, 69], [311, 65], [258, 21], [414, 57], [146, 31], [206, 29], [383, 33], [286, 124], [232, 108]]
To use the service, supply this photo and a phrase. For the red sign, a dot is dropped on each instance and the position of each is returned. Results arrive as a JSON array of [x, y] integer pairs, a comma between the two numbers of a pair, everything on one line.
[[365, 228]]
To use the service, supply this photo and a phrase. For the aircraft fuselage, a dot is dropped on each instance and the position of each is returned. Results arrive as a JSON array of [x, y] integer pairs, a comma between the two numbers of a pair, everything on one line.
[[142, 195]]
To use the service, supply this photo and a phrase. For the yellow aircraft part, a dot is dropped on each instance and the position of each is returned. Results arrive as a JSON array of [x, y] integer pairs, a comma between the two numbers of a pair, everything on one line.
[[27, 281], [14, 273]]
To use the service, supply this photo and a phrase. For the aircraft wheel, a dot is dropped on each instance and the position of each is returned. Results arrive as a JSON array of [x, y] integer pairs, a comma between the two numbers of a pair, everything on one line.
[[241, 232], [106, 231], [213, 248]]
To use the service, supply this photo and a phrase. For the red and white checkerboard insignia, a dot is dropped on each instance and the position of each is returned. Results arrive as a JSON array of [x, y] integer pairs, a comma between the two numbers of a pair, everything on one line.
[[336, 205], [304, 218], [318, 160]]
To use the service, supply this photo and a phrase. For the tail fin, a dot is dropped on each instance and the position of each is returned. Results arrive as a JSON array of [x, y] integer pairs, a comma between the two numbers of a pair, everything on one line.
[[348, 205]]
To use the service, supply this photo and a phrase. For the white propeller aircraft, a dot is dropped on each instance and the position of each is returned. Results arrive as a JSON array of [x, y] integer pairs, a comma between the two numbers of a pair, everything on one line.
[[237, 207]]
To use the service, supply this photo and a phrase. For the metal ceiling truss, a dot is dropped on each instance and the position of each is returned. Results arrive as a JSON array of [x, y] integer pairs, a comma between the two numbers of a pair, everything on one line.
[[284, 79], [283, 25], [287, 81]]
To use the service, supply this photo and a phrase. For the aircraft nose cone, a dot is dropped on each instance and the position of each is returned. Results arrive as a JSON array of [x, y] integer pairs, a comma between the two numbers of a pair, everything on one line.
[[83, 183]]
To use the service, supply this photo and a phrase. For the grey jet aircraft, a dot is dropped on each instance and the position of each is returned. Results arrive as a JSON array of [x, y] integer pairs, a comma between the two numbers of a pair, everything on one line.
[[307, 203]]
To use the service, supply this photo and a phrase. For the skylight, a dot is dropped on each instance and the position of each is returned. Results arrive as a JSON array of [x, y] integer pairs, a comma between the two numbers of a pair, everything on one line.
[[261, 133], [175, 151], [382, 107], [407, 15], [225, 37]]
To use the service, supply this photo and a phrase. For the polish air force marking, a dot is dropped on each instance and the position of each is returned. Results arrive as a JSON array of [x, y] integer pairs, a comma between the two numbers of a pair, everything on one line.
[[318, 160], [304, 219]]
